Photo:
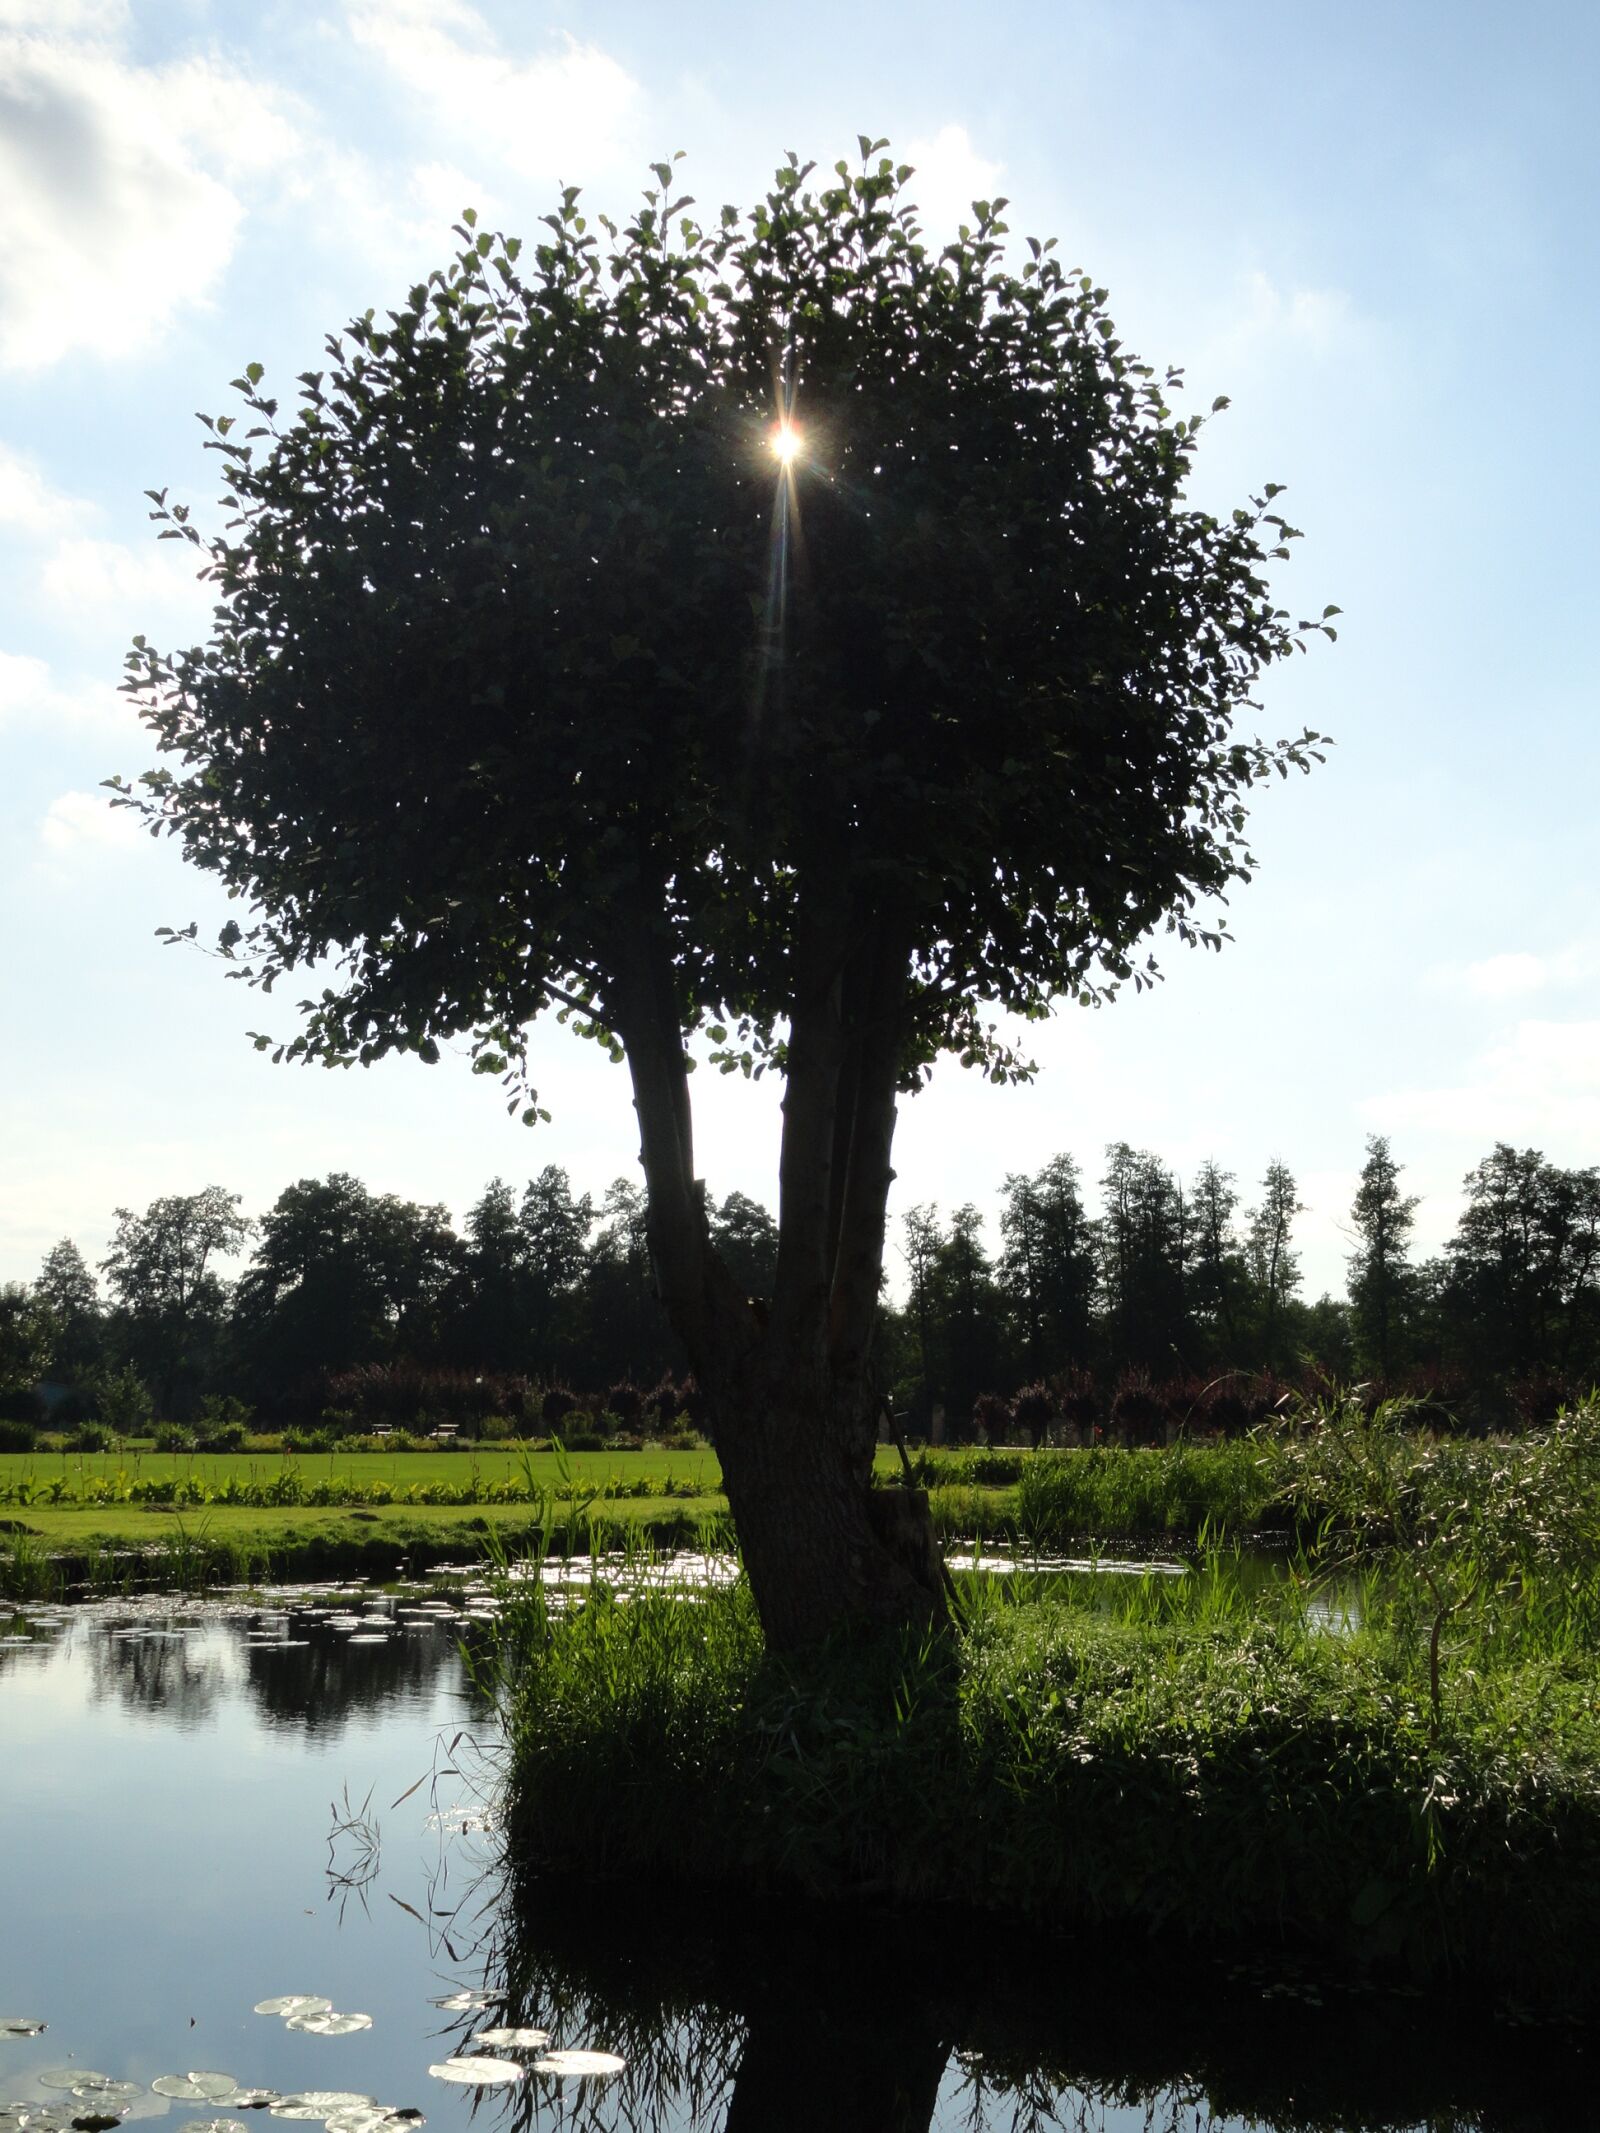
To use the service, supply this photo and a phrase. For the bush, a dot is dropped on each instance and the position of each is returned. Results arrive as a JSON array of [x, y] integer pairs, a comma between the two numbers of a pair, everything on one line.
[[992, 1418], [173, 1437], [17, 1436], [93, 1437], [123, 1403], [225, 1437]]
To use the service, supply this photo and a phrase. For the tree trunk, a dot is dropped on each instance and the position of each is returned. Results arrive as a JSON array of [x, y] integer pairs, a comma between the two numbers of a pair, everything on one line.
[[787, 1388]]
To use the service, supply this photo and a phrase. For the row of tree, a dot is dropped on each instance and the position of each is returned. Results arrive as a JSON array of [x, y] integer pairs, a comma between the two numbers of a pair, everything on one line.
[[1166, 1279]]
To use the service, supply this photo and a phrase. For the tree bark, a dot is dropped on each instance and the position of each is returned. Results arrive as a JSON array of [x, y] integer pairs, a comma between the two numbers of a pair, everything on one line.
[[786, 1391]]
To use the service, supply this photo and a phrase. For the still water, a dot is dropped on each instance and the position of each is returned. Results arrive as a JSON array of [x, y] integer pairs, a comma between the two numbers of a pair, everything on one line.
[[205, 1808]]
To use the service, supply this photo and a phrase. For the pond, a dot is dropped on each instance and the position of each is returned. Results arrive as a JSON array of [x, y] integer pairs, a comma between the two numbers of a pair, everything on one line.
[[211, 1808]]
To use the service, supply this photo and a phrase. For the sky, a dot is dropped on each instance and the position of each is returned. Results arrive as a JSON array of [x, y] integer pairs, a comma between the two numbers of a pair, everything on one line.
[[1370, 225]]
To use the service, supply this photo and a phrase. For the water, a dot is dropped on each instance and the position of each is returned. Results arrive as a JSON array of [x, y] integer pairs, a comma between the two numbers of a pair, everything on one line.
[[205, 1807]]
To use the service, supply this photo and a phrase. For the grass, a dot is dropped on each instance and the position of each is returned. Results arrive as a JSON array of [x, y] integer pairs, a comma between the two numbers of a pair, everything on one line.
[[1203, 1757], [29, 1479]]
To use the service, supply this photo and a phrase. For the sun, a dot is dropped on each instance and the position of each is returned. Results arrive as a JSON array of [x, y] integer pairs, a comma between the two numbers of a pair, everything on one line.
[[785, 441]]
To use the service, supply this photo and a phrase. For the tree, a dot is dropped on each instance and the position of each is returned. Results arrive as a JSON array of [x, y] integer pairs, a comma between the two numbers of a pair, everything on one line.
[[1218, 1277], [172, 1301], [524, 694], [1525, 1262], [26, 1335], [1380, 1273], [745, 1238], [69, 1292], [1144, 1256], [340, 1277], [555, 1232], [1047, 1267], [1274, 1264]]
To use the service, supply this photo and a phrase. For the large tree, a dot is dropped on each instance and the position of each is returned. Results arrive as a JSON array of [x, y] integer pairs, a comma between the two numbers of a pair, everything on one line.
[[787, 633], [171, 1300], [1381, 1276]]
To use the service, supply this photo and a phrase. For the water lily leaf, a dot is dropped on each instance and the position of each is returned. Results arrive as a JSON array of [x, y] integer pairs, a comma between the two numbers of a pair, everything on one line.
[[214, 2125], [478, 2072], [35, 2117], [20, 2026], [461, 2002], [593, 2066], [330, 2024], [68, 2077], [319, 2103], [195, 2088], [100, 2088], [294, 2003], [512, 2040], [374, 2118], [252, 2099]]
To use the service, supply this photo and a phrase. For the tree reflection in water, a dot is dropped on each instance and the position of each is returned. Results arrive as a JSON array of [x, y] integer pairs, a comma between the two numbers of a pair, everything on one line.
[[784, 2017]]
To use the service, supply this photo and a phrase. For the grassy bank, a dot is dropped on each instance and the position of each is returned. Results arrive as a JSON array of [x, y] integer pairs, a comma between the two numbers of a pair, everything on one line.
[[1410, 1776], [59, 1553]]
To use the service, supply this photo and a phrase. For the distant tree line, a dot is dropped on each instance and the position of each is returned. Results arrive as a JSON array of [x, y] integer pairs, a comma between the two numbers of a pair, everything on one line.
[[1159, 1300]]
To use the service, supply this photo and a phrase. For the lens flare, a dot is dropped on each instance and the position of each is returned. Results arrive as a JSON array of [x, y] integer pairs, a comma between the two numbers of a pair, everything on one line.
[[786, 444]]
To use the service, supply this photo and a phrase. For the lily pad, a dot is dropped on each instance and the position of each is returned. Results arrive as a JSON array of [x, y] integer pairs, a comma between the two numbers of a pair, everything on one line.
[[319, 2103], [294, 2003], [330, 2024], [214, 2125], [252, 2099], [465, 2000], [67, 2077], [100, 2088], [512, 2040], [34, 2117], [196, 2088], [376, 2118], [20, 2026], [580, 2066], [477, 2072]]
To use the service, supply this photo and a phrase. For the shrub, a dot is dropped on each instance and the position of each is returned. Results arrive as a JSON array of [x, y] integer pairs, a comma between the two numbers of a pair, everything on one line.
[[173, 1437], [992, 1417], [1138, 1412], [17, 1436], [626, 1402], [1076, 1401], [225, 1437], [557, 1404], [1033, 1411], [123, 1403], [93, 1437]]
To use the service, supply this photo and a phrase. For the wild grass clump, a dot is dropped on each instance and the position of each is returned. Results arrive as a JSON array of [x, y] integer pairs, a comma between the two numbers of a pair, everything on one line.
[[1201, 1755]]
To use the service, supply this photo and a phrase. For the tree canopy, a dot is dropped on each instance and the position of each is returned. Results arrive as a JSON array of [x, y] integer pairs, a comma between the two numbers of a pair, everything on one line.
[[540, 679]]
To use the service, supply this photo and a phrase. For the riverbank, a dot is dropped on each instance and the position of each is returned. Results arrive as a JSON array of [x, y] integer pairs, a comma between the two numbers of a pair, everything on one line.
[[1389, 1756]]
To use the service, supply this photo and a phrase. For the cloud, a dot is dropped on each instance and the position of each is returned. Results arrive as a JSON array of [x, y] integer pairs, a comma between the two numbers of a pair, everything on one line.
[[27, 501], [1515, 976], [560, 115], [123, 590], [119, 184], [84, 18], [84, 825], [950, 175], [30, 698], [1539, 1087]]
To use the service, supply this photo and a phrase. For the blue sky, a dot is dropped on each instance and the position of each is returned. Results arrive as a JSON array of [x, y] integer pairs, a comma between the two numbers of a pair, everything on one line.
[[1371, 226]]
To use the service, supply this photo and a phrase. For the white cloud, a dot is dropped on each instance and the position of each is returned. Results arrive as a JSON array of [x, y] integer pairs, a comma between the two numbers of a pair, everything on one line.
[[79, 825], [29, 504], [950, 175], [561, 115], [30, 698], [92, 18], [123, 590], [118, 183], [1540, 1086], [1514, 976]]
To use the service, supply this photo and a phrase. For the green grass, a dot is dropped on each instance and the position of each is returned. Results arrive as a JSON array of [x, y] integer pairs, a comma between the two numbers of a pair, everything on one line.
[[30, 1480], [1414, 1781]]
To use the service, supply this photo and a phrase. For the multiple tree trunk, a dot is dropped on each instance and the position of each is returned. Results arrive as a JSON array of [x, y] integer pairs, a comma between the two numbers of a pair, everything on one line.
[[787, 1381]]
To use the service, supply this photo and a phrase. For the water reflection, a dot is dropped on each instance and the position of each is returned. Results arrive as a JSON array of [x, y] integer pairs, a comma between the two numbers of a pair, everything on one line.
[[784, 2018]]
